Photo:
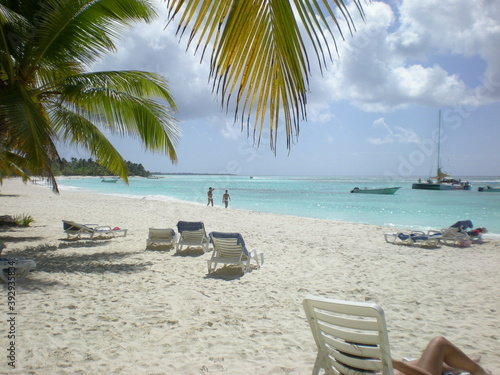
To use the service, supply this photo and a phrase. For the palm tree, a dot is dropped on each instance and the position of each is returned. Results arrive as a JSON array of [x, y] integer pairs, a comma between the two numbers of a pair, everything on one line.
[[48, 95], [259, 54]]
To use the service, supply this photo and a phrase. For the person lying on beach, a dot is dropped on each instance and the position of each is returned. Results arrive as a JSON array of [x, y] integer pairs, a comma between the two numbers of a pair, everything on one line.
[[477, 234], [439, 357]]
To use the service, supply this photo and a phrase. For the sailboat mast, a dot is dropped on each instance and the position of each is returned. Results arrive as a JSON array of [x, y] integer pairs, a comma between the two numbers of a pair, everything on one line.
[[439, 146]]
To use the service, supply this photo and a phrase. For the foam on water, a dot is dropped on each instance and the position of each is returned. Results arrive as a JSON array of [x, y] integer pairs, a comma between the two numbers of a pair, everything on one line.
[[320, 197]]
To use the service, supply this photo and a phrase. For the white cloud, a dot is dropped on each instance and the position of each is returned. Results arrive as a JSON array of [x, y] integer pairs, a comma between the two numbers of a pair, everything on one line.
[[231, 131], [396, 135], [389, 63]]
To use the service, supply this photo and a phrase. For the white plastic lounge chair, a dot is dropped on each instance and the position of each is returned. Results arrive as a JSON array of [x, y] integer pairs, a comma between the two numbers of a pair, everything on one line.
[[229, 248], [351, 337], [91, 230], [191, 234], [161, 236], [456, 234], [453, 236], [415, 238], [15, 269]]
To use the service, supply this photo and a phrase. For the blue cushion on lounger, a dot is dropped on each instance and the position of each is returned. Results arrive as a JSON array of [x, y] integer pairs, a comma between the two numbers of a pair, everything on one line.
[[463, 224], [414, 237], [189, 225]]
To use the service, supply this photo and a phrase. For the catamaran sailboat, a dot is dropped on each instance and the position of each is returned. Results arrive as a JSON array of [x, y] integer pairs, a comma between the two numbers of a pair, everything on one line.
[[442, 181]]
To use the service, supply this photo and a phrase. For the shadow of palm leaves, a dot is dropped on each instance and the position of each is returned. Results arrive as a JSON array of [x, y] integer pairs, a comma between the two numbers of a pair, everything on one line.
[[48, 260]]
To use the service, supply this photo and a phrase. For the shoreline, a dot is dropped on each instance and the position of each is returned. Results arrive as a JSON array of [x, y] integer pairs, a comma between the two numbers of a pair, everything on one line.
[[110, 306], [390, 226]]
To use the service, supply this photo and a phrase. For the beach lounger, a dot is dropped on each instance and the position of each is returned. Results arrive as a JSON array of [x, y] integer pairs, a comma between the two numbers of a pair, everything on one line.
[[457, 234], [415, 238], [229, 248], [191, 234], [161, 236], [351, 337], [91, 230], [15, 268]]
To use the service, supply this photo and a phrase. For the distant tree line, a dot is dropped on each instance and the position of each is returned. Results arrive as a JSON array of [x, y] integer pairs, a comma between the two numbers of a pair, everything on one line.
[[88, 167]]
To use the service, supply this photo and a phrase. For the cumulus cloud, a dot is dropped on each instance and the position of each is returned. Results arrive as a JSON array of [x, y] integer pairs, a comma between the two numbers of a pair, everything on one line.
[[154, 48], [396, 135], [388, 63], [231, 131]]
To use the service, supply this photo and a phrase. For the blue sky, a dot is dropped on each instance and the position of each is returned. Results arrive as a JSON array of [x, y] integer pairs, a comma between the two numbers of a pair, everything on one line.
[[373, 112]]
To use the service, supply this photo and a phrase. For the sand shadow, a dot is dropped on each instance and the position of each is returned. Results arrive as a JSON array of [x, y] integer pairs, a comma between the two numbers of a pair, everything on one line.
[[67, 244], [20, 239], [190, 252], [32, 283], [227, 272], [160, 248], [48, 260]]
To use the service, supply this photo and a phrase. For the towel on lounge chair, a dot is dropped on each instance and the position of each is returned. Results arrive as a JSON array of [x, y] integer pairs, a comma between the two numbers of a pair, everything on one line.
[[191, 233], [463, 224], [415, 238], [190, 226]]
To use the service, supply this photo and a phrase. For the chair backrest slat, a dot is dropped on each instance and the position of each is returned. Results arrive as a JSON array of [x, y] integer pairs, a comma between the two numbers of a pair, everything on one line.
[[193, 235], [351, 336], [228, 248]]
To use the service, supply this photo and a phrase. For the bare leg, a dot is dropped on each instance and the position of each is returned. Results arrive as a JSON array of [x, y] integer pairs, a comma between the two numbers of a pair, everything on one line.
[[440, 352]]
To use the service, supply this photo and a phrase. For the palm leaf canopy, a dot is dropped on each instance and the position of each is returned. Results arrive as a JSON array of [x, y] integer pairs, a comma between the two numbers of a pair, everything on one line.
[[47, 93], [259, 54]]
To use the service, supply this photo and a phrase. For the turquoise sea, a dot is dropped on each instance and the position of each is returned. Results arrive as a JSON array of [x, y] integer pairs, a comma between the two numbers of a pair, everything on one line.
[[320, 197]]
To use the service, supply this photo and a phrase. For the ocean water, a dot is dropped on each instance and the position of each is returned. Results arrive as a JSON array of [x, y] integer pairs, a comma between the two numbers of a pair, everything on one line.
[[320, 197]]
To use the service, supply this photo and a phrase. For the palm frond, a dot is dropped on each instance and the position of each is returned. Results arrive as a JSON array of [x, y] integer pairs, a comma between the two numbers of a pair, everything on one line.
[[77, 130], [259, 55], [44, 93], [126, 103], [84, 30]]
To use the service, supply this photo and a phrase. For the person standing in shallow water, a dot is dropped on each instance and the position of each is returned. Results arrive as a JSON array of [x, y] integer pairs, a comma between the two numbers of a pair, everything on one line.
[[210, 196], [226, 198]]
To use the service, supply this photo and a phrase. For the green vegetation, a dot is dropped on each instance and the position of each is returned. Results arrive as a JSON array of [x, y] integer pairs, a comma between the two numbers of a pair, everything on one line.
[[258, 65], [47, 93], [82, 167], [23, 220]]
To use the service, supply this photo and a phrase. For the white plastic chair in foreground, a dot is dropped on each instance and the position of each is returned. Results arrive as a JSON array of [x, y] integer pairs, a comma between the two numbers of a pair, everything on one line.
[[191, 233], [229, 248], [161, 236], [15, 269], [351, 337]]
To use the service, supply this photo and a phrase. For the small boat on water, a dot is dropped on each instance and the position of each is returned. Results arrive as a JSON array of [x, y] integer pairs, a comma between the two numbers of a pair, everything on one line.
[[489, 189], [110, 180], [389, 190], [441, 181]]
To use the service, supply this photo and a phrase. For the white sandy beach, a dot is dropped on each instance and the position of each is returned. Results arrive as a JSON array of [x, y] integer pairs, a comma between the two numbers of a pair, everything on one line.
[[112, 307]]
